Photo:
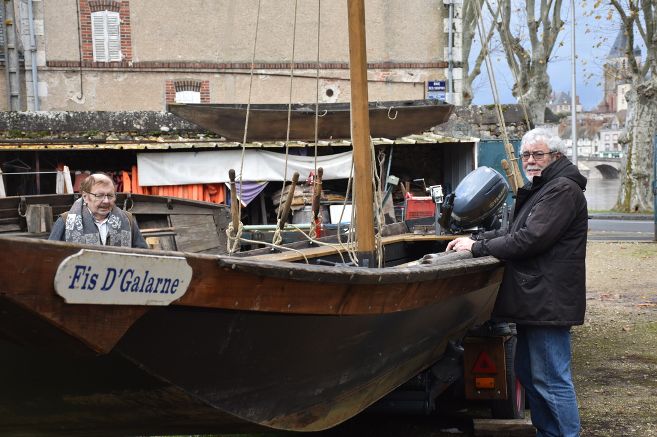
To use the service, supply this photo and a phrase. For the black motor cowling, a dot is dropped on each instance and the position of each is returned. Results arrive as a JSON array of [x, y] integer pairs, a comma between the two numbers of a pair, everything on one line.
[[478, 197]]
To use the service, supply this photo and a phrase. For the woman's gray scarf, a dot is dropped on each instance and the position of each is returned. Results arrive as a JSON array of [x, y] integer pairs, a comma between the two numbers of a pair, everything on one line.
[[80, 227]]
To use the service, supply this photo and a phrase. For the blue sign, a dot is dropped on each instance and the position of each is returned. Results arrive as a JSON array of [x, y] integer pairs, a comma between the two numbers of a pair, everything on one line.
[[436, 85]]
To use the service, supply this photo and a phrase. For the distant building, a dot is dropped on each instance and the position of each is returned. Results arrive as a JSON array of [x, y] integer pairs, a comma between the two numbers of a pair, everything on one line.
[[597, 134], [606, 142], [617, 75], [561, 103]]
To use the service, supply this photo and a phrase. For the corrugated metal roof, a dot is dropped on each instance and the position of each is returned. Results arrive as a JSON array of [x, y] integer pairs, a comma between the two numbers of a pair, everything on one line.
[[425, 138]]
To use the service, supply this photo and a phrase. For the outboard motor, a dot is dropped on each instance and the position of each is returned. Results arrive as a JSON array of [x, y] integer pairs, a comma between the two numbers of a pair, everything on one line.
[[477, 199]]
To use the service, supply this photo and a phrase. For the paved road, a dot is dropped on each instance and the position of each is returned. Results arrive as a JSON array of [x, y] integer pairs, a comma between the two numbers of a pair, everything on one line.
[[618, 229]]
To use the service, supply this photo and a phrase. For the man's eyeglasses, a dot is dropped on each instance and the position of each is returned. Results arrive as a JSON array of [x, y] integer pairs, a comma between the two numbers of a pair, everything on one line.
[[538, 156], [110, 197]]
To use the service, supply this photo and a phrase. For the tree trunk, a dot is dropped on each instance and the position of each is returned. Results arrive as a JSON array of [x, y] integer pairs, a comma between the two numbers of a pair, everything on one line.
[[536, 94], [635, 194]]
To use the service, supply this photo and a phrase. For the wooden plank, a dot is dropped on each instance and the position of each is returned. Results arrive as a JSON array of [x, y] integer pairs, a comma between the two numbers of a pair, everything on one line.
[[157, 241], [318, 251], [10, 220], [503, 428], [162, 208], [39, 218], [168, 229], [9, 227], [196, 233]]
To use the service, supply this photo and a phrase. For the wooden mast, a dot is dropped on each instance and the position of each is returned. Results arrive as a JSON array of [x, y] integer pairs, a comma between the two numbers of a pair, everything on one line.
[[360, 134]]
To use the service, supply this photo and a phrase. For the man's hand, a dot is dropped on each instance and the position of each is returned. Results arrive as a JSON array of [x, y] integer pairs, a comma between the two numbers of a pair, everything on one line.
[[460, 244]]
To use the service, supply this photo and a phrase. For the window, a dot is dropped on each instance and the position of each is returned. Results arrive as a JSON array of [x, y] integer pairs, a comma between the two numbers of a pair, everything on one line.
[[105, 29], [188, 97]]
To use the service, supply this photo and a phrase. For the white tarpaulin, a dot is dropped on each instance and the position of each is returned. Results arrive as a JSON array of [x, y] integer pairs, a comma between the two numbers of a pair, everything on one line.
[[212, 166]]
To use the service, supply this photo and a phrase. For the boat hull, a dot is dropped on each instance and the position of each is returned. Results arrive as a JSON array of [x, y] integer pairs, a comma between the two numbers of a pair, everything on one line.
[[392, 119], [285, 346]]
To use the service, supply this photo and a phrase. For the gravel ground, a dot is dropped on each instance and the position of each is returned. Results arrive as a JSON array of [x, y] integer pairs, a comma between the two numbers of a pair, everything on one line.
[[615, 351]]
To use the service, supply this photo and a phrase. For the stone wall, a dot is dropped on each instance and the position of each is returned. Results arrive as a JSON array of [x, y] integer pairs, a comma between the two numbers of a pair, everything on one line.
[[482, 122], [98, 125]]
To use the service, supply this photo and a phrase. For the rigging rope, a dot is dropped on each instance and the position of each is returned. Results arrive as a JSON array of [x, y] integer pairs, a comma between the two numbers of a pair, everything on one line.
[[277, 239], [514, 175], [234, 236], [514, 67], [313, 222], [378, 207]]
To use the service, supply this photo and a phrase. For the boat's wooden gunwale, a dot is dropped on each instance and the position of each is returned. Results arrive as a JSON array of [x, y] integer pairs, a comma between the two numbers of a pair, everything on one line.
[[237, 284]]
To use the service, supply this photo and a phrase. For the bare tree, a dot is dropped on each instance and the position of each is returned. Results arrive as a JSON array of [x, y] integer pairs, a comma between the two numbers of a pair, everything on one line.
[[641, 122], [527, 48], [471, 13], [528, 51]]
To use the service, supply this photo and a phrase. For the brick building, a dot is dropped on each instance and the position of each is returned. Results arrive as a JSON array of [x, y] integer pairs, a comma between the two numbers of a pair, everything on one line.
[[117, 55]]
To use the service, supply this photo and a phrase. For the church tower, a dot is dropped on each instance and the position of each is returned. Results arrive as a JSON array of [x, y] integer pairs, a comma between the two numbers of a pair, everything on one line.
[[616, 74]]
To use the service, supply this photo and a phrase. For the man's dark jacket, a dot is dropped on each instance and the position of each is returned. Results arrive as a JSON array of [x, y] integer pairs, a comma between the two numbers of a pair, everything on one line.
[[544, 250]]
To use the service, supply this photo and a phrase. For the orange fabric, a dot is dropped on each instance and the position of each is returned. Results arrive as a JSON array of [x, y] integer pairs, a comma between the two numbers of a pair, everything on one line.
[[79, 178], [127, 184], [135, 181], [215, 193]]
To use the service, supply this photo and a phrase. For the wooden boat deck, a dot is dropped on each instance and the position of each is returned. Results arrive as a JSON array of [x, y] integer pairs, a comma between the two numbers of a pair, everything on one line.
[[319, 251]]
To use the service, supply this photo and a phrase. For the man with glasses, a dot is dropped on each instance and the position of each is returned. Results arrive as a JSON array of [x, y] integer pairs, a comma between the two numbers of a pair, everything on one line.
[[95, 218], [544, 286]]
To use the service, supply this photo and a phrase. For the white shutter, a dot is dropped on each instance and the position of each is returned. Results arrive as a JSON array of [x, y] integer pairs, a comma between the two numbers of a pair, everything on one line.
[[105, 31], [113, 36], [98, 35]]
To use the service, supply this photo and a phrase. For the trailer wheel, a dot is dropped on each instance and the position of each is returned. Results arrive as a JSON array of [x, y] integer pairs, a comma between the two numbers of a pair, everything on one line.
[[514, 406]]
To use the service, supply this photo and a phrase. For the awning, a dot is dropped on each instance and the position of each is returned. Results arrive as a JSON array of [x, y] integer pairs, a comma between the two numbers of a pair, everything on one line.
[[212, 166]]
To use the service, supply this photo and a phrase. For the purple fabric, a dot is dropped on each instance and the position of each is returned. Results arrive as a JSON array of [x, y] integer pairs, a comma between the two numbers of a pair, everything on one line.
[[250, 192]]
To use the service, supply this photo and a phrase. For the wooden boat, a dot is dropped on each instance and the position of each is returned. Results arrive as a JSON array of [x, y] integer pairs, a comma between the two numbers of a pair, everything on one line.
[[252, 341], [392, 119], [92, 345], [167, 223]]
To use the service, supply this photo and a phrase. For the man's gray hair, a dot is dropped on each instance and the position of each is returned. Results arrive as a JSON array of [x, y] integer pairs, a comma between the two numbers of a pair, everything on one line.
[[542, 135]]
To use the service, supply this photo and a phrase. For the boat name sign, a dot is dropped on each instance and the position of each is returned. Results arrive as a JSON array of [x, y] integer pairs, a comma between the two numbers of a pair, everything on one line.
[[114, 278]]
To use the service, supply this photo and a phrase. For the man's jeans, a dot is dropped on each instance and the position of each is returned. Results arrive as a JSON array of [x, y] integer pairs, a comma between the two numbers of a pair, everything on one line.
[[543, 367]]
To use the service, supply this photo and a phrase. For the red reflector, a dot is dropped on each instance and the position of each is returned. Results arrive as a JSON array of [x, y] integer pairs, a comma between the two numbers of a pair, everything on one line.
[[484, 364]]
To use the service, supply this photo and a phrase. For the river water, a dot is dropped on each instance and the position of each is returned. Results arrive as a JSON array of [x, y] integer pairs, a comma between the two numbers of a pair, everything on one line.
[[601, 193]]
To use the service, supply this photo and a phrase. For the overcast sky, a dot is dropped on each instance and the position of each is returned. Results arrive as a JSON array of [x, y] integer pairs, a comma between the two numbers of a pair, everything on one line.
[[594, 38]]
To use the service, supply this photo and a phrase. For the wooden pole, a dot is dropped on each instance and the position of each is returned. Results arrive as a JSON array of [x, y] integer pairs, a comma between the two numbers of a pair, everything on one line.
[[512, 168], [317, 193], [360, 134], [288, 201], [234, 207]]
